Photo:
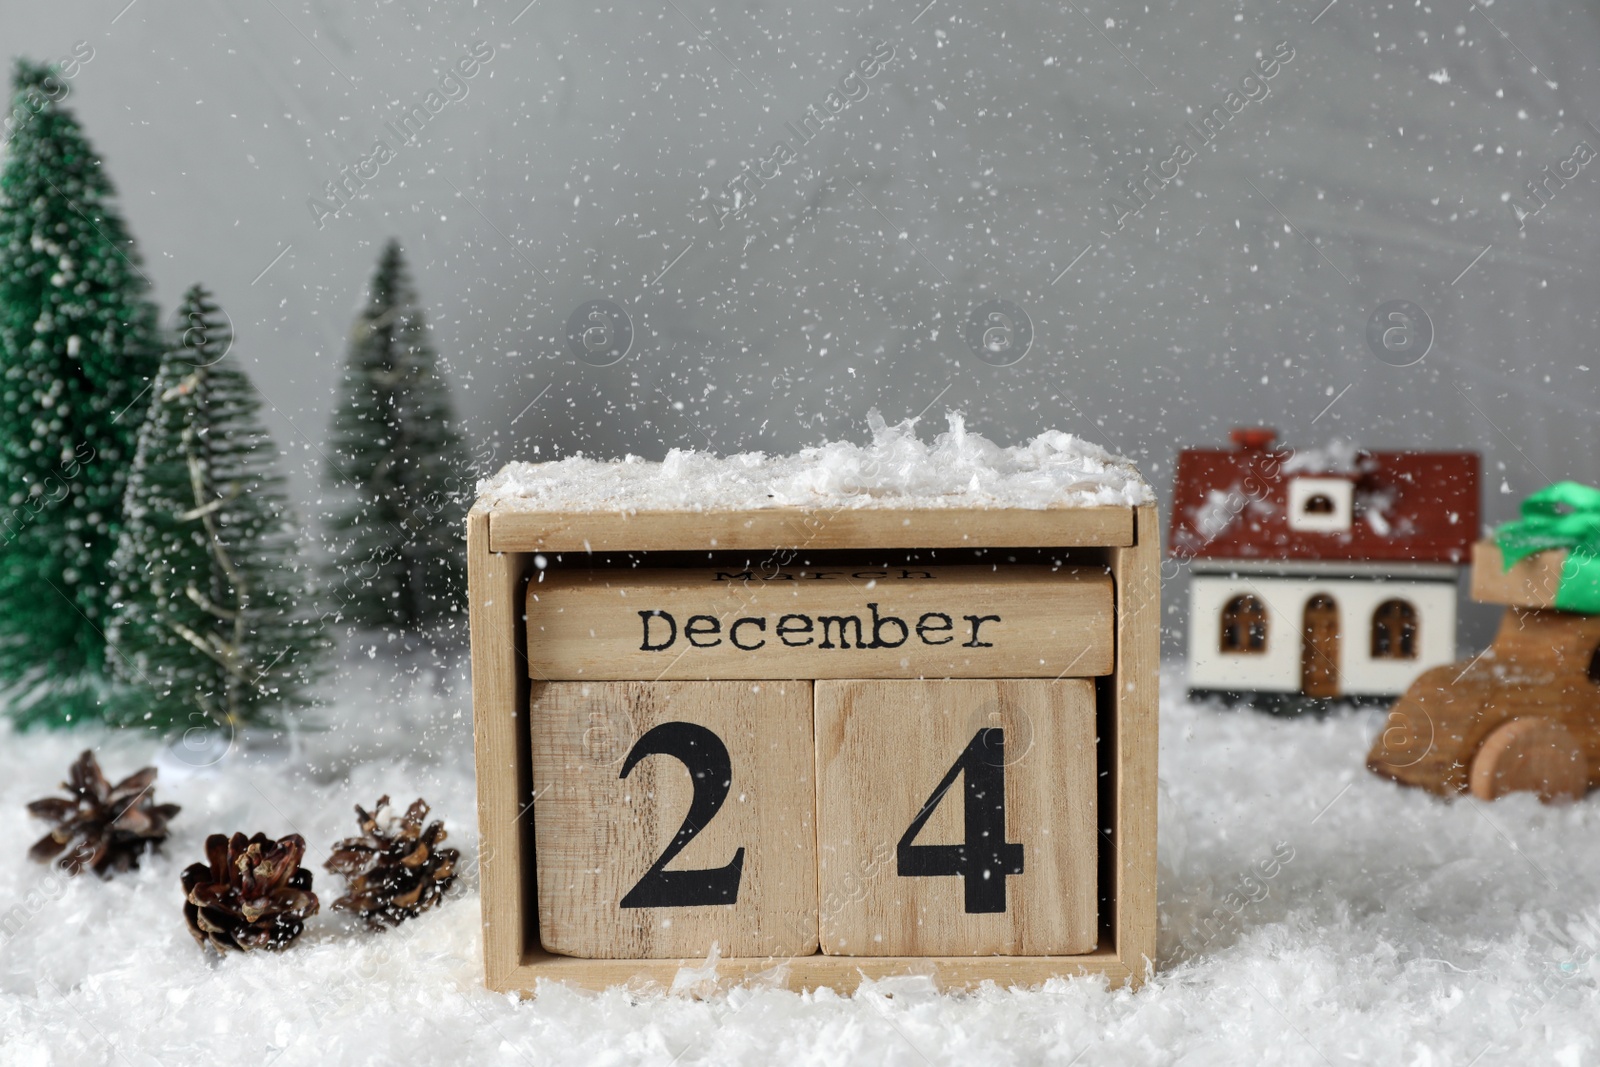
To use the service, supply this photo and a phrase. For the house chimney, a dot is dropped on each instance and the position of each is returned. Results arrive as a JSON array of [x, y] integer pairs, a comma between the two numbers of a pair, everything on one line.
[[1253, 438]]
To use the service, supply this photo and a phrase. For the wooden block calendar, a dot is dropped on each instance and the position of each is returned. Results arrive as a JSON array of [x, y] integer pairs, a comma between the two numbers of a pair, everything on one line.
[[816, 745]]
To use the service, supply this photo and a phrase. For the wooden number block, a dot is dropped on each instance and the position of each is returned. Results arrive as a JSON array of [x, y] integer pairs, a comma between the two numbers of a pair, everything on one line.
[[956, 818], [673, 816]]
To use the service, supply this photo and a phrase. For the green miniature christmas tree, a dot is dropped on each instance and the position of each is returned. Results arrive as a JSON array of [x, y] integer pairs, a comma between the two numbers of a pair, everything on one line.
[[397, 454], [214, 625], [78, 346]]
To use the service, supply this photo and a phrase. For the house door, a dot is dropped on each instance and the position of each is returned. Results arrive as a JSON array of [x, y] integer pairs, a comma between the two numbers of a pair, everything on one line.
[[1319, 648]]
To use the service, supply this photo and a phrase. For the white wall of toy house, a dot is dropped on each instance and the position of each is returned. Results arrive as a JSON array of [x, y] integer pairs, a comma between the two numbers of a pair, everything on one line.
[[1277, 667]]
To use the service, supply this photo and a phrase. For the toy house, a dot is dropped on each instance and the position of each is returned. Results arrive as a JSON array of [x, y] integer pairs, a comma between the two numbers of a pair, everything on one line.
[[874, 736], [1322, 574]]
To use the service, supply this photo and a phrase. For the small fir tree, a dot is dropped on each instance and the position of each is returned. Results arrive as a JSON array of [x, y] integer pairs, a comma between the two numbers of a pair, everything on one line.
[[78, 346], [396, 452], [214, 625]]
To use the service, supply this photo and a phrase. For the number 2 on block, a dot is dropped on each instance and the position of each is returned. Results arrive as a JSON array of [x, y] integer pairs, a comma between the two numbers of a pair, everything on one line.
[[985, 857], [706, 757]]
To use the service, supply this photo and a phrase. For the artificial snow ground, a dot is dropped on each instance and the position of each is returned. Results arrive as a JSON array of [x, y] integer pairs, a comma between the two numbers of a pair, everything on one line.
[[1404, 930]]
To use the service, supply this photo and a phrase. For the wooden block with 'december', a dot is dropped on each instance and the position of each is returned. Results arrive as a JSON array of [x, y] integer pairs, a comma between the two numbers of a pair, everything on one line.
[[956, 818], [1010, 621], [674, 817]]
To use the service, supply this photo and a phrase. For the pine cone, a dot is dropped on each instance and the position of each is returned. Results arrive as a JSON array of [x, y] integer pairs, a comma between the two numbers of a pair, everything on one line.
[[391, 877], [106, 826], [254, 894]]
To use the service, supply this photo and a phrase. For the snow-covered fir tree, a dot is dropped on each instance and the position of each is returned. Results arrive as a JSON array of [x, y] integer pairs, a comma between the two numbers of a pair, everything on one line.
[[399, 463], [78, 346], [214, 623]]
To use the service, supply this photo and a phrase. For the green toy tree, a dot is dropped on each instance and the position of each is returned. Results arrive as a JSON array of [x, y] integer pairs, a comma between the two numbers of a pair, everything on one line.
[[214, 625], [400, 463], [78, 345]]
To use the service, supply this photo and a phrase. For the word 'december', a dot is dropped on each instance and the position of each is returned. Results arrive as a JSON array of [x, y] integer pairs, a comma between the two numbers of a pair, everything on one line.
[[1017, 621], [796, 630]]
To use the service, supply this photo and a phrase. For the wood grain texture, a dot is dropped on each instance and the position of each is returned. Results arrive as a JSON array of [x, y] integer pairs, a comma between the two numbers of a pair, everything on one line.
[[950, 974], [1537, 667], [513, 530], [1536, 755], [499, 729], [1010, 621], [600, 833], [1530, 583], [1131, 732], [867, 801]]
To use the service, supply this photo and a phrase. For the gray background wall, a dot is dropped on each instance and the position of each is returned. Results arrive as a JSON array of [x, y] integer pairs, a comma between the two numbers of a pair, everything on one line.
[[978, 165]]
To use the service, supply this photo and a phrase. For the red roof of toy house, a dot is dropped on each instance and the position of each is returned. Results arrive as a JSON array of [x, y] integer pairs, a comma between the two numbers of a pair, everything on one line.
[[1414, 507]]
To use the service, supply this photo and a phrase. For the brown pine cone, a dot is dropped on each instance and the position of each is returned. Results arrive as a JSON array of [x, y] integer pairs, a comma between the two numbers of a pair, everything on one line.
[[101, 827], [254, 893], [393, 876]]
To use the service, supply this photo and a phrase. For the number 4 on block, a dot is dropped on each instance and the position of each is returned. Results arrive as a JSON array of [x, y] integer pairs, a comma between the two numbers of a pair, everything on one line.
[[671, 816], [956, 817]]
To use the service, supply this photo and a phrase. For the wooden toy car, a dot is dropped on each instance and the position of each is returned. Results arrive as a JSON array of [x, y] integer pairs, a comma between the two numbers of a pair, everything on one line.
[[1523, 715]]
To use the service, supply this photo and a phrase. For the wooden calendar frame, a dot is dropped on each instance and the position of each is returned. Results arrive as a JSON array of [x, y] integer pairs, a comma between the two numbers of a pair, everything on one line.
[[501, 544]]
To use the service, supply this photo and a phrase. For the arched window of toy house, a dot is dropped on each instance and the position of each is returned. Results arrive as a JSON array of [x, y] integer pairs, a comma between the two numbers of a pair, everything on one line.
[[1319, 504], [1594, 666], [1394, 630], [1244, 625]]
